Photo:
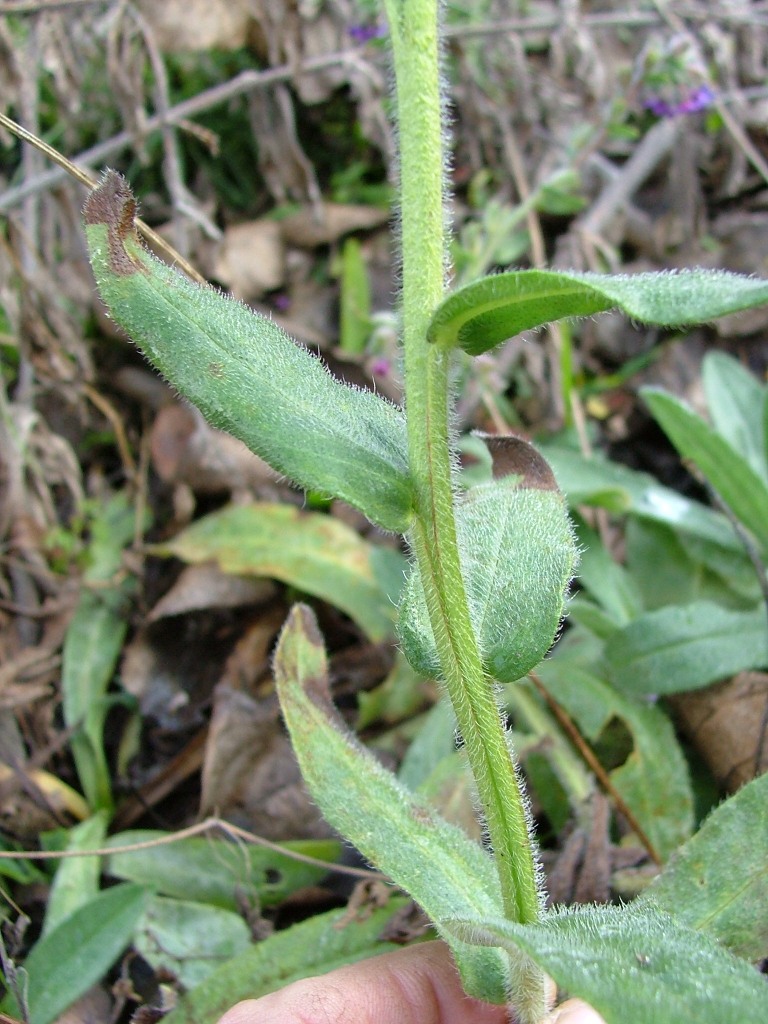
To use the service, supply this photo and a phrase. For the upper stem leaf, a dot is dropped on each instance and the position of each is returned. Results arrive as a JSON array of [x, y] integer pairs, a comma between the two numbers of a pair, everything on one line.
[[486, 312]]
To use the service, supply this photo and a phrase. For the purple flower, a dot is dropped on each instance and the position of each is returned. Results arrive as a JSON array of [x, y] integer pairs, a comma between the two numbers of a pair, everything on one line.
[[281, 302], [380, 367], [364, 33], [697, 99]]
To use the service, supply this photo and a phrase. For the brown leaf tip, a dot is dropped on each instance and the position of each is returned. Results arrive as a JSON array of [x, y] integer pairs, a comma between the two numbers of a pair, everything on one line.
[[514, 456], [112, 203]]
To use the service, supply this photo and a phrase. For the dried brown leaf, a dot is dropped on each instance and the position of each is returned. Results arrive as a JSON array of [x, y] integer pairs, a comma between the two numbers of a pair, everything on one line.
[[727, 725]]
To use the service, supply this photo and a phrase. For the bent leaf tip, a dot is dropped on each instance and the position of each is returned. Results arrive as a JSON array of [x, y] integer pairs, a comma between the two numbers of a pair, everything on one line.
[[514, 456], [113, 204]]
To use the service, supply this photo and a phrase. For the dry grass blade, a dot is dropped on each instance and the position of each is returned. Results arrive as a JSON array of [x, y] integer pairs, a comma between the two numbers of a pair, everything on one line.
[[87, 180]]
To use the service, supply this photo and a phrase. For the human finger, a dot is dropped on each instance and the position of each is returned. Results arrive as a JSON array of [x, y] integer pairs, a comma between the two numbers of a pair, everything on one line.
[[417, 985]]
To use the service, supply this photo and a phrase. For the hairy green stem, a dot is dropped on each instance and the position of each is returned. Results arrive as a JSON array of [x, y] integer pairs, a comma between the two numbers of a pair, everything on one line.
[[413, 27]]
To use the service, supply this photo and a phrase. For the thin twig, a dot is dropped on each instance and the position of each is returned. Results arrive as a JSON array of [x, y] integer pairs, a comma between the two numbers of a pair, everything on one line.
[[109, 412], [85, 179], [592, 761], [740, 137], [245, 82], [604, 19], [655, 145], [202, 827], [43, 6]]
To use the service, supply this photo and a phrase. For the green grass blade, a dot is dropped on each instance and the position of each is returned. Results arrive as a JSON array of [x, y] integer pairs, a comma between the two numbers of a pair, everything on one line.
[[92, 646]]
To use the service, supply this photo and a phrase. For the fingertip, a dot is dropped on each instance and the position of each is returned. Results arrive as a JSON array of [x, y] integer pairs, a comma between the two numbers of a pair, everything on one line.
[[573, 1011]]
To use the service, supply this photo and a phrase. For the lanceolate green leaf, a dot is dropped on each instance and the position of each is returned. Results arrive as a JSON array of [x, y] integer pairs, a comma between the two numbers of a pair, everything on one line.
[[742, 489], [220, 873], [313, 552], [76, 881], [684, 647], [189, 940], [636, 965], [246, 375], [706, 535], [595, 481], [737, 403], [718, 881], [482, 314], [92, 646], [444, 871], [77, 953]]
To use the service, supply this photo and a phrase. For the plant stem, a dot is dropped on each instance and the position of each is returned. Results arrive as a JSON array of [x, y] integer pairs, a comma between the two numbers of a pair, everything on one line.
[[413, 27]]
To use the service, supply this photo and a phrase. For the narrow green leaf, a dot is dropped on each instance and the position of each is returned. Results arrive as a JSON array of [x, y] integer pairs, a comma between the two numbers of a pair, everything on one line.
[[246, 375], [706, 535], [729, 473], [213, 871], [397, 698], [635, 965], [685, 647], [355, 307], [690, 573], [435, 741], [191, 940], [76, 881], [587, 480], [718, 881], [654, 779], [486, 312], [312, 552], [446, 873], [79, 952], [737, 402], [518, 555], [316, 946], [92, 646], [606, 580]]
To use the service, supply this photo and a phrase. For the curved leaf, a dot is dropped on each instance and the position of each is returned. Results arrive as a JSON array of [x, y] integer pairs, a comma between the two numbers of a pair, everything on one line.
[[246, 375], [80, 950], [684, 647], [486, 312], [217, 872], [316, 946], [654, 779], [189, 940], [444, 871], [718, 881], [635, 965], [737, 403], [740, 486], [518, 554]]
